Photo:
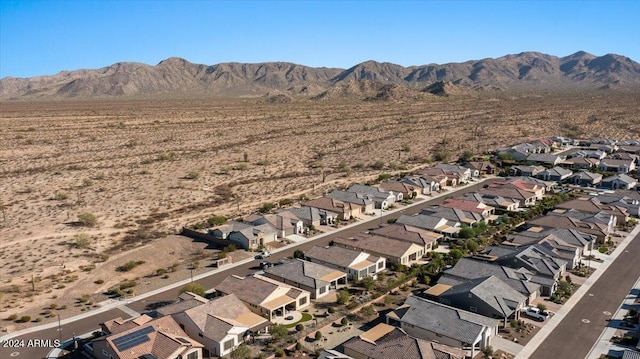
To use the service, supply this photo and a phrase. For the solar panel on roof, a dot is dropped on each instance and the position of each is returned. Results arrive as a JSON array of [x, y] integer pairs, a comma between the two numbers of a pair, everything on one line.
[[132, 339]]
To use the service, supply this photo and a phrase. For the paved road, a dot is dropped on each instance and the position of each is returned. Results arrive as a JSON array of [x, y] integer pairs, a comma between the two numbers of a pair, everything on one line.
[[92, 323], [580, 329]]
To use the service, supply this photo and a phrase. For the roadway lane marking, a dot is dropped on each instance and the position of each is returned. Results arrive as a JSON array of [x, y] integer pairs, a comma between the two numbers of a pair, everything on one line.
[[606, 313], [586, 321], [15, 354], [591, 294]]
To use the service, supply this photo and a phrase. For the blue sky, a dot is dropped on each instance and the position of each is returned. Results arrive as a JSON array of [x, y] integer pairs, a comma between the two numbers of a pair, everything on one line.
[[46, 37]]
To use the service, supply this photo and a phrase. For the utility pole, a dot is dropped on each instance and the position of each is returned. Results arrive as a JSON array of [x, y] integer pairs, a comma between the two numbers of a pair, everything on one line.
[[59, 328]]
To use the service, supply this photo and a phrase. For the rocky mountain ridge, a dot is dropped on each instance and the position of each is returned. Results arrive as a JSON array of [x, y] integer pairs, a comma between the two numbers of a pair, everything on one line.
[[370, 79]]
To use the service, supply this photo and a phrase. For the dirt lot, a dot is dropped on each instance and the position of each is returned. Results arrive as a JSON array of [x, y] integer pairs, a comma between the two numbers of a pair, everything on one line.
[[146, 168]]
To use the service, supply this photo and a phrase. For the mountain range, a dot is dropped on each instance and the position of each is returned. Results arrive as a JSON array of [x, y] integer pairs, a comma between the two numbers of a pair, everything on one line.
[[371, 80]]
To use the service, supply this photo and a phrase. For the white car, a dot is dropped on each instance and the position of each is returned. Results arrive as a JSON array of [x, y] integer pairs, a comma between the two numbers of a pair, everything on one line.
[[263, 255], [535, 314]]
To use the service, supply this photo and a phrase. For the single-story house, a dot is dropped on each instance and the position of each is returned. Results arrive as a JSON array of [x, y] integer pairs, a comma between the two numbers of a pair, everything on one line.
[[600, 231], [556, 174], [144, 337], [618, 166], [382, 199], [546, 159], [585, 179], [285, 225], [499, 202], [311, 216], [385, 341], [403, 232], [530, 284], [620, 181], [426, 185], [464, 173], [432, 223], [366, 202], [265, 296], [220, 324], [245, 235], [482, 167], [487, 296], [394, 250], [462, 204], [357, 264], [315, 278], [402, 190], [344, 210], [433, 321], [534, 257], [526, 171]]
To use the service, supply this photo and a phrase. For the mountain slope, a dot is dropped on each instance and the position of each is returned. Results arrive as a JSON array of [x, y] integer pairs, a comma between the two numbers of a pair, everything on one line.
[[178, 77]]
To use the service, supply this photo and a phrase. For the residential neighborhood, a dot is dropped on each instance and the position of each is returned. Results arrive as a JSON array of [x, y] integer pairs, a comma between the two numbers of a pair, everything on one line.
[[476, 275]]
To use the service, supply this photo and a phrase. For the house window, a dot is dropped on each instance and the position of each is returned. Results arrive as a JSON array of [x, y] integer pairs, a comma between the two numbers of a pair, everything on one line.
[[380, 265], [193, 355], [228, 345], [303, 301], [323, 290]]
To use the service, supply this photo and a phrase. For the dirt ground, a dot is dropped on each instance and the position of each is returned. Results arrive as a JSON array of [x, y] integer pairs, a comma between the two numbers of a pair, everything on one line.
[[145, 168]]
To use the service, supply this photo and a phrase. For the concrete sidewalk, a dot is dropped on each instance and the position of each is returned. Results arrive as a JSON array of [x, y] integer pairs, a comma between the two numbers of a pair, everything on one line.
[[546, 330]]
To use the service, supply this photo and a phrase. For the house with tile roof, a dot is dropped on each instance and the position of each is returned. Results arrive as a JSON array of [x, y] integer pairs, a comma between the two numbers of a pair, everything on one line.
[[534, 257], [427, 185], [464, 173], [482, 167], [585, 179], [220, 324], [550, 221], [594, 205], [555, 174], [186, 300], [311, 216], [403, 232], [582, 241], [495, 201], [524, 170], [618, 166], [621, 181], [433, 321], [245, 235], [385, 341], [456, 215], [545, 159], [432, 223], [265, 296], [317, 279], [344, 210], [584, 163], [523, 197], [160, 338], [284, 225], [629, 200], [365, 201], [395, 251], [530, 284], [357, 264], [463, 204], [451, 179], [382, 198], [407, 190], [487, 296]]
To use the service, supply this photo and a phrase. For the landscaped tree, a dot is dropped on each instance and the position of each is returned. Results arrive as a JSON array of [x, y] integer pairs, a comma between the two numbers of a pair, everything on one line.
[[242, 351], [318, 335], [342, 297], [466, 232], [542, 307], [367, 283], [195, 288], [298, 254], [279, 332]]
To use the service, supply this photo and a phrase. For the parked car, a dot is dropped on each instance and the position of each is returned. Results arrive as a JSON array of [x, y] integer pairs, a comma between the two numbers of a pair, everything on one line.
[[535, 314], [263, 255], [266, 264]]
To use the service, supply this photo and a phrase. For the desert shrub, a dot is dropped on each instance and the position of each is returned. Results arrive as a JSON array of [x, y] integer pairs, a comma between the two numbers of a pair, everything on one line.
[[161, 271], [299, 327], [127, 284], [82, 240], [99, 281], [12, 317], [332, 310], [342, 297], [318, 335], [87, 219], [344, 321], [25, 319], [129, 266]]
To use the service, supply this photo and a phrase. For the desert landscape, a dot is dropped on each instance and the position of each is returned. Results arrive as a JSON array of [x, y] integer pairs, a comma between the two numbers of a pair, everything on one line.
[[90, 185]]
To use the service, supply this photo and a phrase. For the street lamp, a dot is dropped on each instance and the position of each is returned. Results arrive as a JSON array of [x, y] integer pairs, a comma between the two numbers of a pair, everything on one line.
[[59, 328]]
